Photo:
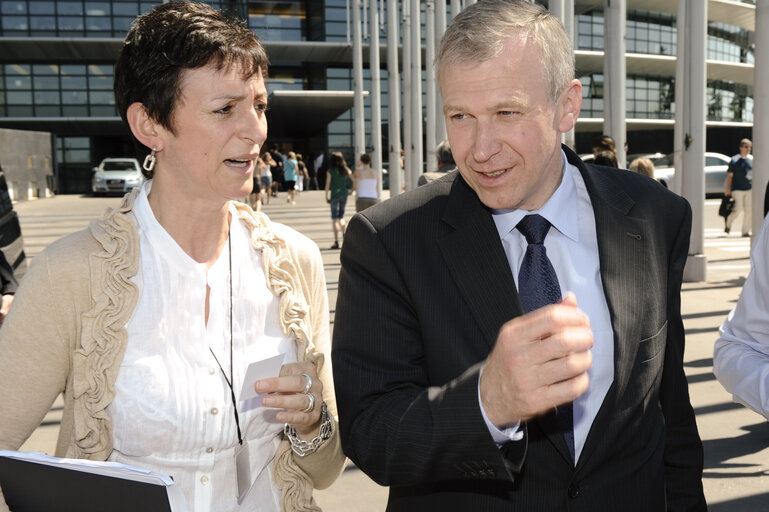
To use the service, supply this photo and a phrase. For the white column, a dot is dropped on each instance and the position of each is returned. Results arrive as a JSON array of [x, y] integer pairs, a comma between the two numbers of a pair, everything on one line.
[[440, 28], [614, 74], [430, 114], [564, 11], [693, 177], [376, 89], [681, 86], [416, 93], [408, 110], [394, 96], [456, 7], [760, 114], [359, 123], [556, 7]]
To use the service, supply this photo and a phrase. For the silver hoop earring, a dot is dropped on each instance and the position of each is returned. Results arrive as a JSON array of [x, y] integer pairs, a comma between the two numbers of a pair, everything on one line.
[[149, 161]]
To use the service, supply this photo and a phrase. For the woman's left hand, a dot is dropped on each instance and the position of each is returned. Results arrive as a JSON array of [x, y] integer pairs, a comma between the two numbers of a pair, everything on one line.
[[289, 392]]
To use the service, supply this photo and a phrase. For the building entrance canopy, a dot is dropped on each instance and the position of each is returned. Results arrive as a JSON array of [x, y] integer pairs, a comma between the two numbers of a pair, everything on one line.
[[299, 114]]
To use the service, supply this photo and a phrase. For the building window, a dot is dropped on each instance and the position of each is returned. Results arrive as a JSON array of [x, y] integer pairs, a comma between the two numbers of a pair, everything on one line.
[[73, 150], [52, 90], [728, 101], [278, 21], [72, 18]]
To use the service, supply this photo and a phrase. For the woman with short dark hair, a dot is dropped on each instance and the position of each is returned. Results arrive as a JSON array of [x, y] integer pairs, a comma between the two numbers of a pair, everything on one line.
[[147, 320]]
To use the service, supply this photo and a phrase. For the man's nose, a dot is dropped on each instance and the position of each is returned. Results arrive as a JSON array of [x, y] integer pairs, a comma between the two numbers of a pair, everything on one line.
[[486, 143]]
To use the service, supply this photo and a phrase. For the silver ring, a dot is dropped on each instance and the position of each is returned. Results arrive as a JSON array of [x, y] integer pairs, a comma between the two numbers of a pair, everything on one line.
[[307, 383], [311, 405]]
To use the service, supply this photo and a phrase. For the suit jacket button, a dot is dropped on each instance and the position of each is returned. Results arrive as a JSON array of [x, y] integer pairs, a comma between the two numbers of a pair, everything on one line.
[[573, 491]]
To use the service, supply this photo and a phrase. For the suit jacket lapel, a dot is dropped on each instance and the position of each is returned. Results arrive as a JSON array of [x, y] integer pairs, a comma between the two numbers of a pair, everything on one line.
[[621, 239], [477, 263]]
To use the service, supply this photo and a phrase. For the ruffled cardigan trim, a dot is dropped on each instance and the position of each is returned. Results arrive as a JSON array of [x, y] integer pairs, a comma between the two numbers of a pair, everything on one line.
[[103, 339]]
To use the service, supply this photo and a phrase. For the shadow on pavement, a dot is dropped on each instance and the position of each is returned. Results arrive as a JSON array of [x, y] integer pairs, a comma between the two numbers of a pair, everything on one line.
[[757, 503], [717, 451], [732, 283]]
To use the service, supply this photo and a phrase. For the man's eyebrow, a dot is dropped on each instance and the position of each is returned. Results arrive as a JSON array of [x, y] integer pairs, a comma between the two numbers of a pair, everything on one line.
[[502, 105]]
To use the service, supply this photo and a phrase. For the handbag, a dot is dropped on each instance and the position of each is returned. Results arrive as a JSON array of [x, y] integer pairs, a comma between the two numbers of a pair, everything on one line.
[[727, 205]]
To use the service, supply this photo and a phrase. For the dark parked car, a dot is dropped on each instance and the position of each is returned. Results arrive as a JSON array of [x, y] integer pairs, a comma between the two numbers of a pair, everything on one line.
[[11, 241]]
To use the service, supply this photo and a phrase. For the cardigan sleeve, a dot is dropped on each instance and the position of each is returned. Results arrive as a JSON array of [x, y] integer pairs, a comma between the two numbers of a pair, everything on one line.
[[34, 356], [325, 465]]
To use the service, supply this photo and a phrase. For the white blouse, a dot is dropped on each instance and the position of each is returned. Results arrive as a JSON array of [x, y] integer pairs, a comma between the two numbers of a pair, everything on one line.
[[173, 410]]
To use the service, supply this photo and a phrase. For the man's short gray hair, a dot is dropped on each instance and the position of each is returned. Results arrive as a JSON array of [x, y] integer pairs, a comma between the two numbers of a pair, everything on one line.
[[478, 33]]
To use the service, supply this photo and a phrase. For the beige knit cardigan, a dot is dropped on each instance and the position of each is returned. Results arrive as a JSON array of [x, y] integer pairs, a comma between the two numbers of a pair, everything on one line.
[[66, 333]]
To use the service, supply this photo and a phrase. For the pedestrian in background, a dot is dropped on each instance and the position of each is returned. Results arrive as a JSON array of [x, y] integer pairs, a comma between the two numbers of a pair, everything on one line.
[[606, 158], [255, 198], [8, 286], [739, 182], [289, 177], [445, 163], [642, 166], [266, 178], [277, 170], [367, 183], [604, 143], [337, 189], [130, 317], [301, 174]]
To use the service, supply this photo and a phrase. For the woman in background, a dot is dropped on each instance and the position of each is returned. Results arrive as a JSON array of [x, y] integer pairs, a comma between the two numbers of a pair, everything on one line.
[[337, 181], [290, 177], [642, 166], [147, 320], [367, 184], [255, 198], [267, 176]]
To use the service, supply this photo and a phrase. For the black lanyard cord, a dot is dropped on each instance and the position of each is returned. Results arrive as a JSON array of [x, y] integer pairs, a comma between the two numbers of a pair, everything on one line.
[[230, 380]]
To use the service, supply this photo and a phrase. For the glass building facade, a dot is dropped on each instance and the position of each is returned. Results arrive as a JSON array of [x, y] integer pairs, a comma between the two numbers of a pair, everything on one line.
[[75, 89], [653, 97]]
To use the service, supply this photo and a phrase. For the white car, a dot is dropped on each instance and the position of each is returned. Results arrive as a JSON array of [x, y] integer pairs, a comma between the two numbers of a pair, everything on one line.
[[116, 176], [716, 165]]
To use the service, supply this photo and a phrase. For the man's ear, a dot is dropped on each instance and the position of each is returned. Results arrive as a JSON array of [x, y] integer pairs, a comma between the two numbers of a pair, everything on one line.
[[144, 128], [570, 103]]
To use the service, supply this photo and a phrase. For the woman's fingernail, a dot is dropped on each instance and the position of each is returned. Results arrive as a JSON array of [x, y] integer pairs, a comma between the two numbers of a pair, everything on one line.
[[268, 400], [260, 385]]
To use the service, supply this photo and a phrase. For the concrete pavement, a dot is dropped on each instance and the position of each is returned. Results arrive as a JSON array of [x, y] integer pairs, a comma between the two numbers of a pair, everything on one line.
[[736, 440]]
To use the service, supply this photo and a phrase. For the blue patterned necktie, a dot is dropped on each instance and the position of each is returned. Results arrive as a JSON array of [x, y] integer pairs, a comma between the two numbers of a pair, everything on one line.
[[538, 286]]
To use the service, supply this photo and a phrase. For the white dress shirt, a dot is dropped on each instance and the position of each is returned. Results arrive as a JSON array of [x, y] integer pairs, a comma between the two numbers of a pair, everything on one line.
[[741, 354], [173, 410], [572, 247]]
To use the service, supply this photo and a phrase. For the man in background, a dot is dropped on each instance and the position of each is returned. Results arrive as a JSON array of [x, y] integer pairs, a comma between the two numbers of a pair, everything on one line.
[[445, 164], [739, 182]]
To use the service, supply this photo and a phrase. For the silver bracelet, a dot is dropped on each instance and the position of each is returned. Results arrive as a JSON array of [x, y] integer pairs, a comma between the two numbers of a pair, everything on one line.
[[301, 447]]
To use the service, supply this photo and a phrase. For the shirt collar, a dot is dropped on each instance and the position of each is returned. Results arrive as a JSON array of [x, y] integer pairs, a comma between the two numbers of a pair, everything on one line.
[[561, 209], [163, 242]]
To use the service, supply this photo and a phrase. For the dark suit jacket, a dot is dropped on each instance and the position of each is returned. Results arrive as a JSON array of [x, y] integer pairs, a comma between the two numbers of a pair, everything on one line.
[[8, 283], [425, 287]]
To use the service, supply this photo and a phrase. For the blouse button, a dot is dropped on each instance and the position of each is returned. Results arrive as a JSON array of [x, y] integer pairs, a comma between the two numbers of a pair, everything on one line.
[[209, 450], [214, 410], [212, 371], [204, 479]]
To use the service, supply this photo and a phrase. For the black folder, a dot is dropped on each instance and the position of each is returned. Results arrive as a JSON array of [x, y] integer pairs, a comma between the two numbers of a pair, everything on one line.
[[34, 486]]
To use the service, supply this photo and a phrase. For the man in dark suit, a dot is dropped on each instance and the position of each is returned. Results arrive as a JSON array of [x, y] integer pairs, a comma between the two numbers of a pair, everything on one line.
[[455, 387], [445, 162]]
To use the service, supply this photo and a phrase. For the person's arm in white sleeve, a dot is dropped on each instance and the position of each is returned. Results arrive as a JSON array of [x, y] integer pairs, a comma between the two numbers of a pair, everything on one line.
[[741, 354]]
